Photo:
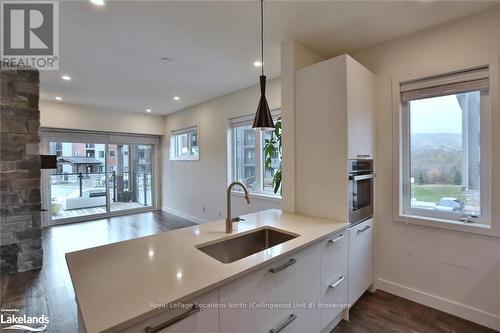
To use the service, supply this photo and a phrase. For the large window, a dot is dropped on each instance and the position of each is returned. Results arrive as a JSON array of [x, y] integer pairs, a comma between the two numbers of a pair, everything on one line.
[[444, 161], [247, 158], [184, 144], [98, 174]]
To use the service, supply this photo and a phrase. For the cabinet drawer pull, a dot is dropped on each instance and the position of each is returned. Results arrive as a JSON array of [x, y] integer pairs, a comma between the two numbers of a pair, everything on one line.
[[280, 328], [364, 229], [336, 239], [192, 310], [282, 267], [339, 281]]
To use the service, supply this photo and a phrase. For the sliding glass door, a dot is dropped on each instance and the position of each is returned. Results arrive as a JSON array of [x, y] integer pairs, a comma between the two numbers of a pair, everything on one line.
[[99, 179], [130, 170]]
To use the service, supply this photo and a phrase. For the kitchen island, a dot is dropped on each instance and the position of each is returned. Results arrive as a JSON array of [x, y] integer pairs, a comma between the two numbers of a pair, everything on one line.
[[123, 284]]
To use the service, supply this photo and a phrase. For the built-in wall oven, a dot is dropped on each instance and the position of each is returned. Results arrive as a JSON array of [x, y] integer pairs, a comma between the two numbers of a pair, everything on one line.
[[360, 190]]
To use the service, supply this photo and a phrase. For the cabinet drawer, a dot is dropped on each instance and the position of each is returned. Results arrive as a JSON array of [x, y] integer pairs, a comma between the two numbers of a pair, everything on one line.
[[334, 256], [204, 319], [247, 300], [333, 276], [360, 259]]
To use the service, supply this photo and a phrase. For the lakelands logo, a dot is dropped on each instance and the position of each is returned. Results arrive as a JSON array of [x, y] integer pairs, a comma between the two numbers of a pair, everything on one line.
[[10, 319], [30, 35]]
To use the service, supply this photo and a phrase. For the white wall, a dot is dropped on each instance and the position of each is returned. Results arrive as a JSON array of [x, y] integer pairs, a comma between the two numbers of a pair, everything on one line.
[[454, 271], [188, 186], [293, 56], [71, 116]]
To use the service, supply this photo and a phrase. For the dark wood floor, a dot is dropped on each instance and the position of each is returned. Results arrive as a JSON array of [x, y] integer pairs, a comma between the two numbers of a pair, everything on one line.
[[381, 312], [49, 291]]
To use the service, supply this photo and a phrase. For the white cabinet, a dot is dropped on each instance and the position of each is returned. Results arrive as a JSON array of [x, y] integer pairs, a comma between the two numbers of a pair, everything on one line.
[[289, 290], [290, 295], [360, 259], [333, 277], [200, 319], [334, 112]]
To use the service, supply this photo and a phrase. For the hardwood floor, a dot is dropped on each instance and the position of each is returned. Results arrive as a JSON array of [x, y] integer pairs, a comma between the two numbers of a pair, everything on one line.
[[49, 290], [381, 312]]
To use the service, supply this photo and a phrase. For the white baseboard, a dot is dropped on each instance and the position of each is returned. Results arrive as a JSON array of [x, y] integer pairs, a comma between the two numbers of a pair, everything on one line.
[[185, 216], [463, 311]]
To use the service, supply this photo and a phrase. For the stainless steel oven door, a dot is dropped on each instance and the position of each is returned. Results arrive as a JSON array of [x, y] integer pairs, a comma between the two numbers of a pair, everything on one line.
[[360, 198]]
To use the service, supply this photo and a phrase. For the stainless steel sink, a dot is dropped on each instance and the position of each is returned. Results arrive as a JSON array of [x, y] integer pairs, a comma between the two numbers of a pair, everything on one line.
[[241, 246]]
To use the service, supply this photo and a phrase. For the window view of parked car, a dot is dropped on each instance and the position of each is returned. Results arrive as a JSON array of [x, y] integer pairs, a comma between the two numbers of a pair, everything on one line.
[[450, 205]]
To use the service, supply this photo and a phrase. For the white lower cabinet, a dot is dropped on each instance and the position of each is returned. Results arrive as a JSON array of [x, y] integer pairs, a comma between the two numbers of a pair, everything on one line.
[[274, 296], [292, 294], [360, 259], [192, 320], [333, 277]]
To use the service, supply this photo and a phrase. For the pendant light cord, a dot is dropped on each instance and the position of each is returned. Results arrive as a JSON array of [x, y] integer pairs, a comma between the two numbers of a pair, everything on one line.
[[262, 35]]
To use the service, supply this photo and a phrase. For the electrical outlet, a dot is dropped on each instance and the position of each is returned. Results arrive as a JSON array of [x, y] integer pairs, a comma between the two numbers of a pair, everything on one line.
[[219, 212], [203, 209]]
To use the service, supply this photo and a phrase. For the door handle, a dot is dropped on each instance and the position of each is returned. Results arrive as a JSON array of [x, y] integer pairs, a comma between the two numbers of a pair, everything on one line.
[[192, 310], [282, 267], [364, 229], [280, 328], [336, 283], [336, 239]]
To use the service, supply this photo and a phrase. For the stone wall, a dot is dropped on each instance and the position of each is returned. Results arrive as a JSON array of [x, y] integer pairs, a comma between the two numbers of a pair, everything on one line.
[[20, 220]]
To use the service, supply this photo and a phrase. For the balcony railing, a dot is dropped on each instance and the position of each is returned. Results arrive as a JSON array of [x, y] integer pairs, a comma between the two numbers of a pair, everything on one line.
[[118, 183]]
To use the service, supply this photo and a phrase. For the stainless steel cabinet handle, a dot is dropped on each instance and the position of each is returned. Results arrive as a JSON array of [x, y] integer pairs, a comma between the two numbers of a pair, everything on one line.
[[282, 267], [280, 328], [362, 177], [192, 310], [364, 229], [336, 239], [336, 283]]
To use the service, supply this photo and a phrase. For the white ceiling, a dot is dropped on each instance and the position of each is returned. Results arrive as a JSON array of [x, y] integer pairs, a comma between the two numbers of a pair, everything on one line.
[[113, 52]]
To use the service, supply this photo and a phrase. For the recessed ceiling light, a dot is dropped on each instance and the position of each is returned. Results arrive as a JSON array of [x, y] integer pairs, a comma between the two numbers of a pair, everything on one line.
[[58, 98], [66, 77], [98, 2], [148, 110], [176, 98], [257, 64]]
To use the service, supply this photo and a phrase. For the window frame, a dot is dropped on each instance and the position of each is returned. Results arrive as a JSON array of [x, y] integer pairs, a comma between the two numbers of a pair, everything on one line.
[[173, 144], [486, 225], [259, 155]]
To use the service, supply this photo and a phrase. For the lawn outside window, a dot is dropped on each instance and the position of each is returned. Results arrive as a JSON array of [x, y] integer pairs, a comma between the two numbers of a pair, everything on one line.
[[443, 149]]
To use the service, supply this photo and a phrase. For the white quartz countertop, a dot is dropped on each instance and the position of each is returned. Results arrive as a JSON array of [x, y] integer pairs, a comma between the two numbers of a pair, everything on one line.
[[117, 284]]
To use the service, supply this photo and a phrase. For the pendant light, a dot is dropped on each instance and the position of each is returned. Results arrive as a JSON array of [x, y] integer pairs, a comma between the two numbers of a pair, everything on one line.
[[263, 119]]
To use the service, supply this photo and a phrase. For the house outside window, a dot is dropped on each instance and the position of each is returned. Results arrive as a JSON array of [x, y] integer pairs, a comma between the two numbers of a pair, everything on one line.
[[444, 135], [246, 156], [184, 144]]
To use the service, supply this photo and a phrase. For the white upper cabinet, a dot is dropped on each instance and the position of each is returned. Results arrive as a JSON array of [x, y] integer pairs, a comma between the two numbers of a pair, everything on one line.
[[360, 110], [334, 111]]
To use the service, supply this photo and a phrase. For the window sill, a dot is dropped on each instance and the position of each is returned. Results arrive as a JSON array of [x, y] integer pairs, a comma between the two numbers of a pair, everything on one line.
[[473, 228], [186, 159], [262, 196]]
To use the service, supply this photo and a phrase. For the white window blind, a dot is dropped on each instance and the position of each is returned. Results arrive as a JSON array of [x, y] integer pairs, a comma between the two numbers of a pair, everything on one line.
[[56, 134], [187, 130], [452, 83]]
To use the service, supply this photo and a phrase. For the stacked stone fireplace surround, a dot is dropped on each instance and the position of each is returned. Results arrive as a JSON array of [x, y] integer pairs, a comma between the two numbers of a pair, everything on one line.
[[20, 200]]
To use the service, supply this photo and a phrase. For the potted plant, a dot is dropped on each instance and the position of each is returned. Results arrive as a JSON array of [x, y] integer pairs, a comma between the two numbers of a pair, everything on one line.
[[272, 150]]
